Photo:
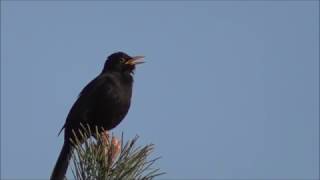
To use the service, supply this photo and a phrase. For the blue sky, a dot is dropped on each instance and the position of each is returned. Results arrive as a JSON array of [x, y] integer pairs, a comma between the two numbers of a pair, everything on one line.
[[229, 90]]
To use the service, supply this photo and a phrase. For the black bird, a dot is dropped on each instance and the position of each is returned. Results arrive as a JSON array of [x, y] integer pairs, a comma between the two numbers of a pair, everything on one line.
[[103, 103]]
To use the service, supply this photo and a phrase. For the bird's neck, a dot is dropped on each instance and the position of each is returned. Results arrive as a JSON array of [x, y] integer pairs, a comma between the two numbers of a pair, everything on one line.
[[125, 77]]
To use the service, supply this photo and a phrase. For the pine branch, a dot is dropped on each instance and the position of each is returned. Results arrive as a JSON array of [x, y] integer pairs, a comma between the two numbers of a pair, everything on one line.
[[106, 158]]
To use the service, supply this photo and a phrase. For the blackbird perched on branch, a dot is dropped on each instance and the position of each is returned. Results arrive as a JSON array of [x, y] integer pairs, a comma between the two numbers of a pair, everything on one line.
[[103, 103]]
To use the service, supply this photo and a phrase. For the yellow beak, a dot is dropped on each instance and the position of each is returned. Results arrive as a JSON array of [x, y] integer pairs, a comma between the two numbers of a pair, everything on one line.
[[135, 60]]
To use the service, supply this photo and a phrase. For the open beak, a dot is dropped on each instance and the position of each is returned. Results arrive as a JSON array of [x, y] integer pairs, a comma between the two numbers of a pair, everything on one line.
[[135, 60]]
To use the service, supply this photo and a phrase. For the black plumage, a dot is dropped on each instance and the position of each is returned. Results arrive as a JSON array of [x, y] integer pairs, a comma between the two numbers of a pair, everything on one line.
[[103, 103]]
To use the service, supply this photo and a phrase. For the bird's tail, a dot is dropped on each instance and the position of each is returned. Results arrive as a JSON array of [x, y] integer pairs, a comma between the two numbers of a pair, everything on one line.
[[62, 163]]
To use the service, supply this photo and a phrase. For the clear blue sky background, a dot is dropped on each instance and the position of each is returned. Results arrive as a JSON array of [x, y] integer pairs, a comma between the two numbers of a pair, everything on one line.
[[229, 90]]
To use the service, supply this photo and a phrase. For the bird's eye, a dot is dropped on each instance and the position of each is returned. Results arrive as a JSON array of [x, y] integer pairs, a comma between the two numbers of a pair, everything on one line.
[[122, 60]]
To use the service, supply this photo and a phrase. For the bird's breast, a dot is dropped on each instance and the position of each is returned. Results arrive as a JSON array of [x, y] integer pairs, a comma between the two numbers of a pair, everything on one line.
[[115, 106]]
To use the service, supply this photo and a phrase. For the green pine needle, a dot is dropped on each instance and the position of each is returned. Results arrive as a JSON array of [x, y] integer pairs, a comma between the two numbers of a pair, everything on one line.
[[97, 158]]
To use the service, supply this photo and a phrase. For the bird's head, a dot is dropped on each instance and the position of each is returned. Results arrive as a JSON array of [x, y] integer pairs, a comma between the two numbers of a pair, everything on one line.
[[122, 62]]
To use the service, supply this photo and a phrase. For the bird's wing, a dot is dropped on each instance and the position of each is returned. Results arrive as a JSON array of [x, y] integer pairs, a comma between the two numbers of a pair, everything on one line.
[[93, 85], [86, 97]]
